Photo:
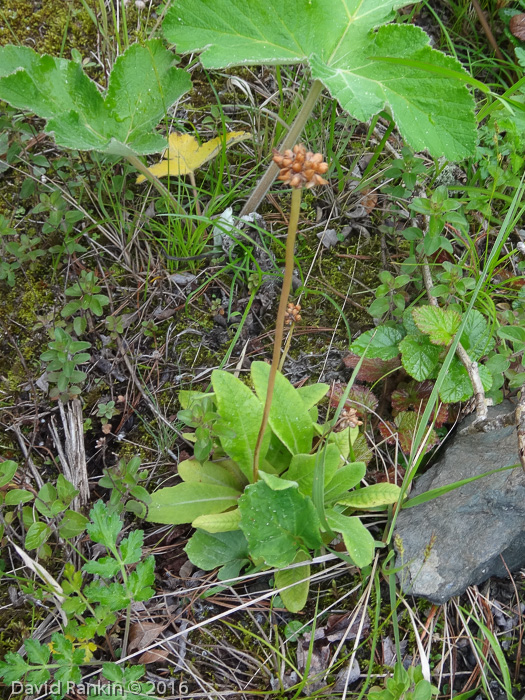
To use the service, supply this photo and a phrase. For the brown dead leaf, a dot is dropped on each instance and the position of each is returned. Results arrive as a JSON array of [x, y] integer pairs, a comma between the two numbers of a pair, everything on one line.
[[153, 656], [106, 428], [517, 26], [142, 634], [369, 200]]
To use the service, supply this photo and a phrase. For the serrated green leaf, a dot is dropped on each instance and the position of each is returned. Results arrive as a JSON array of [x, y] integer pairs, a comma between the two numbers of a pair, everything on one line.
[[439, 324], [365, 71], [141, 580], [372, 496], [131, 547], [219, 522], [241, 411], [183, 503], [210, 550], [456, 385], [105, 526], [295, 597], [107, 567], [113, 672], [289, 417], [38, 677], [358, 540], [382, 342], [418, 356], [477, 337], [114, 597], [277, 523], [37, 653], [142, 86], [13, 668]]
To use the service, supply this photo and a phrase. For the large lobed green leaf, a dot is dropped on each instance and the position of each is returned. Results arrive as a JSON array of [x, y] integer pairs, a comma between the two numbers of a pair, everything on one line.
[[365, 70], [142, 87]]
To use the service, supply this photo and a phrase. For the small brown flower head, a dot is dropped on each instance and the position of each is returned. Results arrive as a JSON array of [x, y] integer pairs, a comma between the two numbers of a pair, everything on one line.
[[348, 419], [292, 314], [300, 168]]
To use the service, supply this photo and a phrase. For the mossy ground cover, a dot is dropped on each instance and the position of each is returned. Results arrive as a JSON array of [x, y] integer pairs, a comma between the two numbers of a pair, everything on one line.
[[172, 324]]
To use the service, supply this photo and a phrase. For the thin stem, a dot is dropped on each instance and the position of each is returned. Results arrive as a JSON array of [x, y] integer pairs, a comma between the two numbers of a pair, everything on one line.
[[286, 347], [195, 193], [139, 165], [279, 328], [289, 140], [475, 380]]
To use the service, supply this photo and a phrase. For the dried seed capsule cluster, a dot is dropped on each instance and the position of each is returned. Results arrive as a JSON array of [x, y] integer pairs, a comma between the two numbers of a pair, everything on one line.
[[300, 168], [348, 419], [292, 313]]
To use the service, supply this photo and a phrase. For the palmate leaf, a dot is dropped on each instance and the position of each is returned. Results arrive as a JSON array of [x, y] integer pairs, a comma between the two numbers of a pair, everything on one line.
[[364, 70], [142, 87]]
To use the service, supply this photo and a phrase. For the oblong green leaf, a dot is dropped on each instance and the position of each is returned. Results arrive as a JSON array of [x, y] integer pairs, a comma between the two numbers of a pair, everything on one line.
[[183, 503], [295, 597], [372, 496], [302, 468], [37, 534], [72, 524], [358, 540], [241, 411], [219, 522], [17, 496], [343, 480], [311, 394], [191, 470], [289, 417], [7, 471]]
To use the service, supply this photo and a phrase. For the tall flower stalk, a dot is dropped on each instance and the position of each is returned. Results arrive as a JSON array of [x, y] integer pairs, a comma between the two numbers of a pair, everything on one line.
[[298, 168]]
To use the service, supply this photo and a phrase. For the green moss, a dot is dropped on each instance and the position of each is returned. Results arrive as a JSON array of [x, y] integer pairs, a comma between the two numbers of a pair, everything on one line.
[[19, 309], [46, 25]]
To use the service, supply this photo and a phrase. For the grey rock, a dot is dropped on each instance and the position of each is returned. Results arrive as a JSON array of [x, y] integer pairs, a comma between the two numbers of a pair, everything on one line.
[[471, 527]]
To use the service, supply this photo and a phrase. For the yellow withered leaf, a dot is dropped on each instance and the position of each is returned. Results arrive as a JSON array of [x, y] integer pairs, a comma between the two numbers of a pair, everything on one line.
[[184, 154]]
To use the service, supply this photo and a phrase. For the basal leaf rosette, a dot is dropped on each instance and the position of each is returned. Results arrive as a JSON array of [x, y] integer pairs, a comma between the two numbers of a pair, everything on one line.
[[365, 68]]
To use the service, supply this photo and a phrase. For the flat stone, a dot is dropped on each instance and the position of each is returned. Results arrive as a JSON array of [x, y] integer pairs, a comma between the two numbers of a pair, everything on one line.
[[472, 527]]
